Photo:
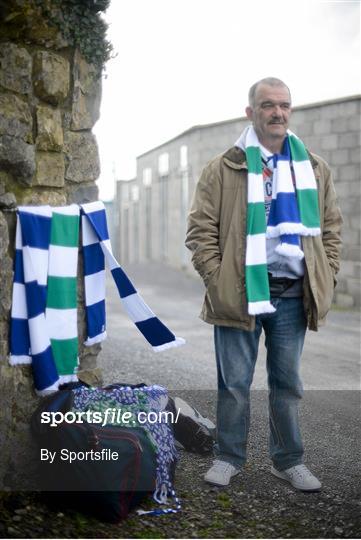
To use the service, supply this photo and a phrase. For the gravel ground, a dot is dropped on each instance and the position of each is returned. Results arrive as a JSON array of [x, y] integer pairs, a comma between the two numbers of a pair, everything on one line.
[[255, 505]]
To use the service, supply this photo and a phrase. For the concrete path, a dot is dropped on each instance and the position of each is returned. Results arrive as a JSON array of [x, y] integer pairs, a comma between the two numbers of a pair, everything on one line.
[[330, 360]]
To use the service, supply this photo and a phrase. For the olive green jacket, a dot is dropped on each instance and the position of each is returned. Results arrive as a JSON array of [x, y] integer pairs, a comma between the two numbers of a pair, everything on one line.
[[216, 236]]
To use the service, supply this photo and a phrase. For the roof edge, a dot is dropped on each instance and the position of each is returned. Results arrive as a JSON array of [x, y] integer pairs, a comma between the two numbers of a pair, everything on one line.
[[353, 97]]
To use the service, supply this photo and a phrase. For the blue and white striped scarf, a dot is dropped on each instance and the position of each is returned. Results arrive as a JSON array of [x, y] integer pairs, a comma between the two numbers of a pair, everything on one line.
[[43, 326], [43, 329], [96, 248]]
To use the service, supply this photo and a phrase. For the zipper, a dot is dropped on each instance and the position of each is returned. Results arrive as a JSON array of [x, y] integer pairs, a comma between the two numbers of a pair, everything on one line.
[[123, 436], [94, 438], [107, 433]]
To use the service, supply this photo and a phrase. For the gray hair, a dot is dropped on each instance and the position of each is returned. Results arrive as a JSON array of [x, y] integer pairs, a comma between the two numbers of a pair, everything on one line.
[[271, 81]]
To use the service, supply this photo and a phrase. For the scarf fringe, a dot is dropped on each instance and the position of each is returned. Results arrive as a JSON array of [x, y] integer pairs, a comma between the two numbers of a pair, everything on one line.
[[291, 228], [288, 250], [97, 339], [256, 308], [312, 231], [285, 228], [19, 360], [178, 342], [63, 379], [49, 390], [161, 497]]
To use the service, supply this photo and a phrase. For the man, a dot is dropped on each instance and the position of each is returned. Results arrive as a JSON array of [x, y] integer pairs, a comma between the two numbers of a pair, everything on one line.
[[264, 230]]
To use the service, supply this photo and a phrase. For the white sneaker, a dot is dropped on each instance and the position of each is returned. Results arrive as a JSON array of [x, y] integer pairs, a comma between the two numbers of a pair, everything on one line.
[[220, 473], [300, 478]]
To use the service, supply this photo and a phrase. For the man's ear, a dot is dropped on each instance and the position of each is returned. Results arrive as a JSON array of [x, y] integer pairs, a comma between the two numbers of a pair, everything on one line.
[[249, 113]]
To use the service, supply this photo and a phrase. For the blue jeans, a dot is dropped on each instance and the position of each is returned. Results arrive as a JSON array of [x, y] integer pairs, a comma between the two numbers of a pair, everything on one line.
[[236, 355]]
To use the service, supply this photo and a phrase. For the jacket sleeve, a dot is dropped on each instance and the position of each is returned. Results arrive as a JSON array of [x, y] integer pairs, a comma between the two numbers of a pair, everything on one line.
[[331, 236], [202, 237]]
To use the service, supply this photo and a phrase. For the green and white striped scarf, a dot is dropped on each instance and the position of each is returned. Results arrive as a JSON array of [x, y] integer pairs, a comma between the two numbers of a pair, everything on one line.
[[61, 304], [293, 212]]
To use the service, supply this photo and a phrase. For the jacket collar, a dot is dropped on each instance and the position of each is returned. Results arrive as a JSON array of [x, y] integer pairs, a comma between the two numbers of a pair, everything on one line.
[[236, 158]]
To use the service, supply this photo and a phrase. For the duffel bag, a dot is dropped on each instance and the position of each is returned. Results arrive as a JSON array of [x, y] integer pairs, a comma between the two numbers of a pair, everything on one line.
[[104, 470]]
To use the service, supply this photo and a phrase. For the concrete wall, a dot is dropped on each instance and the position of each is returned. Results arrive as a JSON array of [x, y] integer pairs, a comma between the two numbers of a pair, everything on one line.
[[330, 129]]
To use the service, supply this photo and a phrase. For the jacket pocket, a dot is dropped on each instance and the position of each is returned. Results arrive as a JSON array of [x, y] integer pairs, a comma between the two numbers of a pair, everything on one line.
[[325, 282], [223, 294]]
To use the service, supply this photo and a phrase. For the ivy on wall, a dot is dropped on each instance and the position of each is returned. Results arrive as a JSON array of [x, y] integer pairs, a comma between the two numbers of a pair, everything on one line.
[[81, 24]]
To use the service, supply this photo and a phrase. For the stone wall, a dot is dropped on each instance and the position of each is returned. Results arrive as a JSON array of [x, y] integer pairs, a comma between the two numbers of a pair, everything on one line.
[[330, 129], [49, 102]]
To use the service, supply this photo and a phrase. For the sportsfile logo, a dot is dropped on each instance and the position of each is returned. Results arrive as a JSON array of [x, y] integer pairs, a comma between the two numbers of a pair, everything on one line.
[[110, 416]]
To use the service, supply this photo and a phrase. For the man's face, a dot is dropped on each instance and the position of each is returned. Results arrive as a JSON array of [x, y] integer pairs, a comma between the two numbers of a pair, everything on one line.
[[271, 113]]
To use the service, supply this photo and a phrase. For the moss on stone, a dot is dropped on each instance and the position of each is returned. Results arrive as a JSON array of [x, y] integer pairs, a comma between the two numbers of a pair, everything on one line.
[[81, 25], [77, 21]]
